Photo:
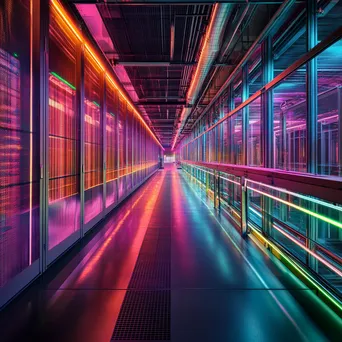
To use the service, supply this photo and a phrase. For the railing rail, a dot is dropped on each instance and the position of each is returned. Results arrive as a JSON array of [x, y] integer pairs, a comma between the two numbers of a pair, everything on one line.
[[327, 188]]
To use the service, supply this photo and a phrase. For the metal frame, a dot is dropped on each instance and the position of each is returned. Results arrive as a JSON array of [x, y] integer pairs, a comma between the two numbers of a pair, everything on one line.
[[320, 47], [325, 188], [310, 266]]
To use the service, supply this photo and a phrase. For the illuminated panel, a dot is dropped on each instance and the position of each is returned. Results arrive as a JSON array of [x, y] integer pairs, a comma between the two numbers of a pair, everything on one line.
[[111, 148], [290, 114], [122, 146], [129, 124], [19, 145], [64, 135], [93, 140]]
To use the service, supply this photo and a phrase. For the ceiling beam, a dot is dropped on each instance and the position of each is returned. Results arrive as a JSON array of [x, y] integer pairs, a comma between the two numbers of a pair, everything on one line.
[[152, 63], [160, 103]]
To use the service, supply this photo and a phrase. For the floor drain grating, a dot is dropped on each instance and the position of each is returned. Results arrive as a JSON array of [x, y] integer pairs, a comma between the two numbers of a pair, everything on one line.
[[146, 309], [145, 315]]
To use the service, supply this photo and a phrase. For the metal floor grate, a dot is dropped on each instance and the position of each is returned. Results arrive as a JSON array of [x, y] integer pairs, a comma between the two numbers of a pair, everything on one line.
[[144, 315], [146, 309]]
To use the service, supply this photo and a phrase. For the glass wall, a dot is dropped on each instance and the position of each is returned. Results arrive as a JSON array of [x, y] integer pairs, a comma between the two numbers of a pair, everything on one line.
[[64, 135], [44, 130], [19, 145], [290, 120], [299, 215]]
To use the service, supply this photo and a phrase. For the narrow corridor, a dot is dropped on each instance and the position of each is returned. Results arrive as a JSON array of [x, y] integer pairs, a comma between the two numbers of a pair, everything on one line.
[[165, 266]]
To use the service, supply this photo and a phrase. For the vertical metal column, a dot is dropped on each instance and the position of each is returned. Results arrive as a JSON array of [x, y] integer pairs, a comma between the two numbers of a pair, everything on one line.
[[267, 129], [104, 140], [311, 138], [245, 113], [244, 208], [245, 119], [117, 173], [339, 134], [80, 109], [40, 104], [312, 91]]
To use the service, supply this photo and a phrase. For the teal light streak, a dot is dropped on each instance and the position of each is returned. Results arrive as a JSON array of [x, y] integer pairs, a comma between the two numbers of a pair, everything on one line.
[[306, 211], [96, 104], [299, 269], [15, 54], [63, 80]]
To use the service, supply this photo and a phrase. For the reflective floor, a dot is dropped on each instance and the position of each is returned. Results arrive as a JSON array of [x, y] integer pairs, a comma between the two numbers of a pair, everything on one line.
[[165, 266]]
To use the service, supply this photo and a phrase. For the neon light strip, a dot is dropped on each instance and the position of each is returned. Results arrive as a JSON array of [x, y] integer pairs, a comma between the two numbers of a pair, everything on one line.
[[254, 270], [306, 211], [300, 270], [31, 138], [290, 261], [63, 80], [255, 212], [317, 201], [230, 180], [65, 16], [96, 104], [323, 261]]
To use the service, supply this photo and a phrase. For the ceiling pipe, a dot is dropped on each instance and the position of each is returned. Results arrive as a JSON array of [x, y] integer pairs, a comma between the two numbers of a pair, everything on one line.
[[275, 20], [208, 54], [227, 46]]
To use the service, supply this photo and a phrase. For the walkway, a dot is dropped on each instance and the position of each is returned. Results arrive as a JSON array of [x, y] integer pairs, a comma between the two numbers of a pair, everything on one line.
[[162, 267]]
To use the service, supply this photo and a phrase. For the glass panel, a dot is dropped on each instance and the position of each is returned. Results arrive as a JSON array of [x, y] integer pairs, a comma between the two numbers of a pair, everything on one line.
[[129, 124], [235, 125], [111, 148], [122, 136], [289, 42], [237, 90], [329, 138], [289, 106], [254, 155], [93, 142], [255, 78], [19, 142], [304, 224], [64, 135]]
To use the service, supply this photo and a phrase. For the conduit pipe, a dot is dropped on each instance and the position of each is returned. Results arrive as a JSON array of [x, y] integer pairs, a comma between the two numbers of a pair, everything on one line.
[[208, 54]]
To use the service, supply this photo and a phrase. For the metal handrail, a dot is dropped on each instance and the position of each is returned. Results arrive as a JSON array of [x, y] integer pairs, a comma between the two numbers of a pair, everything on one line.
[[327, 188]]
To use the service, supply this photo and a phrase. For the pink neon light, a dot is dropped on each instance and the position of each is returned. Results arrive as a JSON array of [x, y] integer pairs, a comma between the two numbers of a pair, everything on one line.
[[323, 261]]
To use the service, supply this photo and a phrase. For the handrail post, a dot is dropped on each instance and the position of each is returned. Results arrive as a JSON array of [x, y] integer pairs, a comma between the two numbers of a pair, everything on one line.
[[244, 207]]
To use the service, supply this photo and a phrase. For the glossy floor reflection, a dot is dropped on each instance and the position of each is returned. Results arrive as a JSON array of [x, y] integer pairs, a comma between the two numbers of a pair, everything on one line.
[[222, 288]]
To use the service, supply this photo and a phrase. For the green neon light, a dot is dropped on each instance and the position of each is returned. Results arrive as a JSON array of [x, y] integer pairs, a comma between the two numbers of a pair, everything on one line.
[[306, 211], [301, 271], [325, 293], [63, 80], [15, 54], [96, 104]]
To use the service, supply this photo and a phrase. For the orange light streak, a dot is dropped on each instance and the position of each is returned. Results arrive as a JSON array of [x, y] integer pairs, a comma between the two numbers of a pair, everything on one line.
[[194, 80], [66, 17]]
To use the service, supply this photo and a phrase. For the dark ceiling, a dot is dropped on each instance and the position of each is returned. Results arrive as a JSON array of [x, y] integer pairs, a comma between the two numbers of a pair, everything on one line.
[[158, 47]]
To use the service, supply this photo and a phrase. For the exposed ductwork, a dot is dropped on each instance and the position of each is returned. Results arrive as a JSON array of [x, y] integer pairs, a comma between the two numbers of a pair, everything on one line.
[[210, 49]]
